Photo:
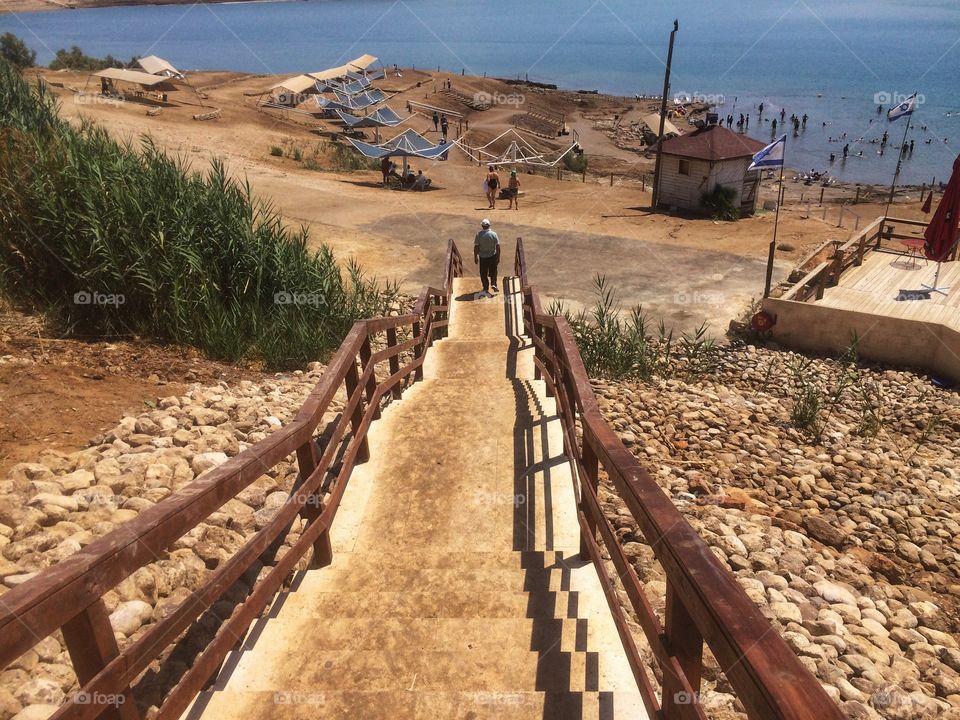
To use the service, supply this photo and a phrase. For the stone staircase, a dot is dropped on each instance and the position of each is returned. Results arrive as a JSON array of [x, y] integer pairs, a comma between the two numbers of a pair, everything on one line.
[[456, 588]]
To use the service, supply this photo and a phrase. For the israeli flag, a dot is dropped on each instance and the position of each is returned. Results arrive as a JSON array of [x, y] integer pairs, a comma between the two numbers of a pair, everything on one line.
[[771, 155], [905, 108]]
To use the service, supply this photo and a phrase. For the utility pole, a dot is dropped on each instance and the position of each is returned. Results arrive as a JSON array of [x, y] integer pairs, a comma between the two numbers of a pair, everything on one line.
[[663, 118]]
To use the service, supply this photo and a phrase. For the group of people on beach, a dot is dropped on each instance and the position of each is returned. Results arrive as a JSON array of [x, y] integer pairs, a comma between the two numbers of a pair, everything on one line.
[[492, 186]]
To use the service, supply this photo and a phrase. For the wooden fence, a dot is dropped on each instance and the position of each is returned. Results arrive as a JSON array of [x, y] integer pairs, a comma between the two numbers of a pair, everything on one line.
[[68, 596], [704, 602]]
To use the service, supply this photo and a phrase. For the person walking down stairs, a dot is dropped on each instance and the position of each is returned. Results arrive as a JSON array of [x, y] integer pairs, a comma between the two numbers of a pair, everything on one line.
[[486, 253]]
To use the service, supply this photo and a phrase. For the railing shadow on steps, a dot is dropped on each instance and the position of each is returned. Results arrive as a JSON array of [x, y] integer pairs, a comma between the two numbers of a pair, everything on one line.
[[704, 602], [69, 595]]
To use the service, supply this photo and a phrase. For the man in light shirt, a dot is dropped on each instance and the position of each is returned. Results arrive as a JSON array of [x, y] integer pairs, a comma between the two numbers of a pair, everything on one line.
[[486, 253]]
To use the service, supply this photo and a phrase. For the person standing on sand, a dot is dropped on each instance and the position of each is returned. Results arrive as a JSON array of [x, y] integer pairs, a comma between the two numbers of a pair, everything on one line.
[[513, 186], [486, 254], [436, 121], [493, 186], [444, 124]]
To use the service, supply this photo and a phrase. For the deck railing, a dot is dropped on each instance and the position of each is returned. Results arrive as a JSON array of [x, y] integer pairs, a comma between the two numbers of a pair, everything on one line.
[[69, 595], [703, 603], [884, 234]]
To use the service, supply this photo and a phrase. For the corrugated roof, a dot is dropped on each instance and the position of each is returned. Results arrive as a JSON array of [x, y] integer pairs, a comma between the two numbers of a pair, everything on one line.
[[157, 66], [132, 76], [713, 143]]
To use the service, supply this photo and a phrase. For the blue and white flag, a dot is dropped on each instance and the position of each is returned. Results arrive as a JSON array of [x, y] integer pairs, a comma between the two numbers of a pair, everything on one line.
[[771, 155], [905, 108]]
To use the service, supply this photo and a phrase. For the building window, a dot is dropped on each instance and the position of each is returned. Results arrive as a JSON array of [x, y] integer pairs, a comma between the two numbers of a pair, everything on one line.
[[684, 167]]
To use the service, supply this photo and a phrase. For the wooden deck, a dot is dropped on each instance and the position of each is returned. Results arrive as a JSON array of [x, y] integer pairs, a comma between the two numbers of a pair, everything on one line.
[[829, 308], [874, 287]]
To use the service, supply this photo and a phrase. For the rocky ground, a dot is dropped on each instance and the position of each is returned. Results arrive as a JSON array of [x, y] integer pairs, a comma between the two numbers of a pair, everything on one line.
[[849, 542], [52, 508]]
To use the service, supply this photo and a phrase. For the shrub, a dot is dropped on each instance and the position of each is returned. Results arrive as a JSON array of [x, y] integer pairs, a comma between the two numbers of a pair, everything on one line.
[[16, 52], [276, 151], [616, 345], [575, 162], [185, 256], [719, 204], [74, 59]]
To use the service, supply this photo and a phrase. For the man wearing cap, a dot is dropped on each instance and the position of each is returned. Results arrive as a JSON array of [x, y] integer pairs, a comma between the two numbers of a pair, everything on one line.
[[486, 253]]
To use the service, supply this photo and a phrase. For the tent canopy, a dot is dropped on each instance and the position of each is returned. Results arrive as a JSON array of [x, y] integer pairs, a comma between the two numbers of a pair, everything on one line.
[[154, 65], [407, 144], [297, 84], [653, 122], [132, 76], [359, 64]]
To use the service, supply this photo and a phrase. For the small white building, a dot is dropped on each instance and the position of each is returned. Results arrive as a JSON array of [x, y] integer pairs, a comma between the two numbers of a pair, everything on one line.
[[693, 165]]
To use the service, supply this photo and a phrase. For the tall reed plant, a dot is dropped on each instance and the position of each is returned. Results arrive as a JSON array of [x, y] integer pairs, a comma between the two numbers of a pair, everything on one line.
[[117, 238]]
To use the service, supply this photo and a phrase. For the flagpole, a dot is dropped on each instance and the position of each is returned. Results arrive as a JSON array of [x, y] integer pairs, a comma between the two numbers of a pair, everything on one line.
[[776, 224], [896, 174], [773, 243]]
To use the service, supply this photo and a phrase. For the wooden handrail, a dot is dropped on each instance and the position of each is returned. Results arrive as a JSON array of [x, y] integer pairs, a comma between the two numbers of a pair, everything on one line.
[[69, 594], [704, 602]]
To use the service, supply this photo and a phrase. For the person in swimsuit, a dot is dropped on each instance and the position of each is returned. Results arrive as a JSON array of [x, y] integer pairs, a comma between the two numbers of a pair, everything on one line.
[[493, 186]]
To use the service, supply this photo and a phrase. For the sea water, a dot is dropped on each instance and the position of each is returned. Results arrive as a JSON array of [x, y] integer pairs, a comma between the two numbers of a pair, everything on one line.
[[834, 61]]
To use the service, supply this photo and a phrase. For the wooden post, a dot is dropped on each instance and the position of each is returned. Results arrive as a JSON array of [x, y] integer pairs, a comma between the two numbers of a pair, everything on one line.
[[591, 468], [418, 350], [371, 388], [861, 248], [394, 360], [351, 381], [307, 463], [821, 196], [685, 643], [92, 645]]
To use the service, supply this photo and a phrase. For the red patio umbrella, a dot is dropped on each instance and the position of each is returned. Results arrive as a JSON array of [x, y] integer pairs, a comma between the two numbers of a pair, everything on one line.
[[941, 233]]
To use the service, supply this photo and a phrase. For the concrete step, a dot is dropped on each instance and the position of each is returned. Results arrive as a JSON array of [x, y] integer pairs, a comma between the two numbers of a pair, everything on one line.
[[483, 668], [420, 705], [429, 634], [456, 602]]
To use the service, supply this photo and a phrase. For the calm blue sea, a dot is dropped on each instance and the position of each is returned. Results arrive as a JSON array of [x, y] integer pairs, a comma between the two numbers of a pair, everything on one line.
[[831, 60]]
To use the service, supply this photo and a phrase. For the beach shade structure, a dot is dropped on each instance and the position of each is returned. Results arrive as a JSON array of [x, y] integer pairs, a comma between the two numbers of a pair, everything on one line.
[[153, 65], [407, 144], [942, 233], [511, 148], [134, 77], [360, 101], [384, 117], [353, 69], [289, 92]]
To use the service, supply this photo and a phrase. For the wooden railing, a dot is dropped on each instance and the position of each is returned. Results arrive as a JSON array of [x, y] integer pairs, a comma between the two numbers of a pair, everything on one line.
[[69, 596], [704, 603], [881, 234]]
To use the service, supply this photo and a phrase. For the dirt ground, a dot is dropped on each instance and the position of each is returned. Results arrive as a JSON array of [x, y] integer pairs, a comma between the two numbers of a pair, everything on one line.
[[686, 270], [59, 393]]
